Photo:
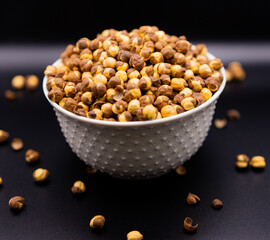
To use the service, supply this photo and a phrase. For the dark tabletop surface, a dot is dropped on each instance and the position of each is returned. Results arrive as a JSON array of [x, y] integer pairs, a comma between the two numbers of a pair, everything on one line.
[[155, 207]]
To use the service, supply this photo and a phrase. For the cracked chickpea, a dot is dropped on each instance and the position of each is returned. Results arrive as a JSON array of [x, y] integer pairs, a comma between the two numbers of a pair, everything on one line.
[[133, 106], [78, 187], [97, 222], [31, 156], [40, 174], [134, 235], [95, 114], [188, 103]]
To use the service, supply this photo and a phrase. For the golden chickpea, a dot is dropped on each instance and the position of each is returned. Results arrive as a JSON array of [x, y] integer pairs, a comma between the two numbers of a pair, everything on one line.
[[187, 92], [133, 106], [109, 62], [123, 66], [134, 235], [168, 111], [40, 175], [100, 78], [122, 75], [133, 73], [205, 71], [110, 93], [125, 117], [257, 162], [119, 107], [178, 84], [215, 64], [136, 93], [150, 112], [188, 74], [97, 222], [106, 109], [78, 187], [113, 50], [32, 82], [177, 71], [156, 57], [95, 114], [206, 93], [188, 103], [18, 82]]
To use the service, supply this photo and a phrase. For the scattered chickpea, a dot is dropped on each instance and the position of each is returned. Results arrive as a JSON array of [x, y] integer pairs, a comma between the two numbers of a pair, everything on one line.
[[3, 136], [40, 174], [257, 162], [17, 144], [97, 222], [242, 161], [31, 156], [16, 203], [134, 235], [220, 123], [18, 82], [78, 187], [181, 170], [237, 71], [32, 82], [10, 95], [192, 199]]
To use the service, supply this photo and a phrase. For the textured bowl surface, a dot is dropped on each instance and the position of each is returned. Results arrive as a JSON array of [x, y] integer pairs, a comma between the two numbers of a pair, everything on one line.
[[142, 149]]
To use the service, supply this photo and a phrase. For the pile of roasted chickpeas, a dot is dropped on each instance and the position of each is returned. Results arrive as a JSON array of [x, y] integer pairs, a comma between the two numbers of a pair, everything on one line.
[[140, 75]]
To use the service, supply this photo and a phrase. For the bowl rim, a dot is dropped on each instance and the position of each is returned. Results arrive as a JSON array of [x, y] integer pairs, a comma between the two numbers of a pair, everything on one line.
[[137, 123]]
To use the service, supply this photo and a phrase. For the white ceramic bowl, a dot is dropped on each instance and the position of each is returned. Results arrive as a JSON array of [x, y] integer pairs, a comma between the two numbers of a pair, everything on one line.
[[142, 149]]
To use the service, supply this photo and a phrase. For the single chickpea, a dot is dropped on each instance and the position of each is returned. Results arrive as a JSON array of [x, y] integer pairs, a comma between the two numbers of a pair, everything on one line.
[[215, 64], [188, 74], [122, 75], [95, 114], [18, 82], [133, 106], [119, 107], [168, 111], [178, 84], [109, 62], [205, 71], [136, 93], [121, 66], [106, 109], [100, 78], [125, 117], [206, 93], [145, 83], [188, 103], [187, 92], [150, 112], [113, 50]]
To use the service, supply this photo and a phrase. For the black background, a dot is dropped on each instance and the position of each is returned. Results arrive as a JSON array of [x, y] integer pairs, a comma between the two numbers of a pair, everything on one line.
[[63, 21], [155, 207]]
